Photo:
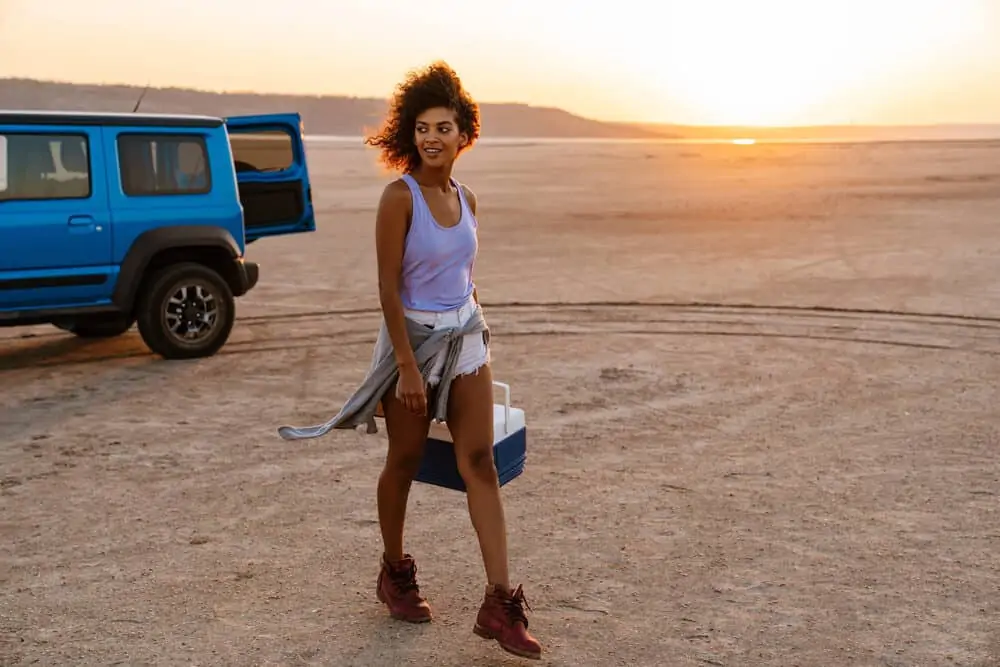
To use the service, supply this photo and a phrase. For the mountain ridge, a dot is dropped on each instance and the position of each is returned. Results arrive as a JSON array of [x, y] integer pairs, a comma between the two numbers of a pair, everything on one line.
[[321, 114], [345, 115]]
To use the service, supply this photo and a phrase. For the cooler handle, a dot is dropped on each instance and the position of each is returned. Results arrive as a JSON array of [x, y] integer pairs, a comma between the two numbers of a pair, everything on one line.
[[506, 405]]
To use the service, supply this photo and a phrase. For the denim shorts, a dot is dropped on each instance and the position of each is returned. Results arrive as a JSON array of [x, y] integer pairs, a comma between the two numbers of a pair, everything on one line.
[[475, 350]]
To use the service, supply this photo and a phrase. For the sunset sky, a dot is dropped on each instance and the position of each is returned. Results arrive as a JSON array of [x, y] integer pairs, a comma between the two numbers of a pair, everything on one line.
[[775, 62]]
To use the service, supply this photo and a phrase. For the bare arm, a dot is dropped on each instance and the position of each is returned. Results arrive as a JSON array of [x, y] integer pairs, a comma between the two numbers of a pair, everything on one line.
[[391, 221]]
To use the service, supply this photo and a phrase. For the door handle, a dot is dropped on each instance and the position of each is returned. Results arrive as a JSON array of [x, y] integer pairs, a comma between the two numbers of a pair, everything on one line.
[[81, 220]]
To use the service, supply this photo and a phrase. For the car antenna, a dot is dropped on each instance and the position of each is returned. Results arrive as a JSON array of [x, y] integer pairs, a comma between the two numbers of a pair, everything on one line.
[[139, 101]]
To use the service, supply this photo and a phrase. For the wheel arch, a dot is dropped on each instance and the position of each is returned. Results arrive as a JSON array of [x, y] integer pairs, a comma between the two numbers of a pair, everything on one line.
[[155, 249]]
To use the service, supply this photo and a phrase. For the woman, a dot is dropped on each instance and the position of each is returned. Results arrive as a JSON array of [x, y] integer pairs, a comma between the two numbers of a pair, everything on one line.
[[432, 358]]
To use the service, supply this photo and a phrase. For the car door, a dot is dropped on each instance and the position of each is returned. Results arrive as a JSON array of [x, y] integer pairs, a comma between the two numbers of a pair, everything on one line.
[[270, 161], [55, 233]]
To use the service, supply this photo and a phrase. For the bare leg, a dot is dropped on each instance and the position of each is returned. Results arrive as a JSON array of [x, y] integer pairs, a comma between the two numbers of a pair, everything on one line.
[[407, 438], [470, 420]]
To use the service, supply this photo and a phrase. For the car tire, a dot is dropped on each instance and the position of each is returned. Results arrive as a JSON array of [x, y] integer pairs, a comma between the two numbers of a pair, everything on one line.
[[97, 327], [187, 311]]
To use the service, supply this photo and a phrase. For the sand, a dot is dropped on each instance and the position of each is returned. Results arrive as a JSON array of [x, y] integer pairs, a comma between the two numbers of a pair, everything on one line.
[[760, 384]]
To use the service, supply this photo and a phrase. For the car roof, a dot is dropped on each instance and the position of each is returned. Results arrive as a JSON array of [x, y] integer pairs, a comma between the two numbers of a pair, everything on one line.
[[106, 118]]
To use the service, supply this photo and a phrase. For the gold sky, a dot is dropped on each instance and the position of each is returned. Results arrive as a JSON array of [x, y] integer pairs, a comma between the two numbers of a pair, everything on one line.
[[688, 61]]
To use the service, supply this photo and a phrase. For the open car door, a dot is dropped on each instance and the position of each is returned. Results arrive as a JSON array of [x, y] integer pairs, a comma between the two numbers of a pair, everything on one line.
[[270, 159]]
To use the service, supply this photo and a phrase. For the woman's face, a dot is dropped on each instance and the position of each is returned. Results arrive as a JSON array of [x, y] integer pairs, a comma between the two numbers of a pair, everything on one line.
[[437, 136]]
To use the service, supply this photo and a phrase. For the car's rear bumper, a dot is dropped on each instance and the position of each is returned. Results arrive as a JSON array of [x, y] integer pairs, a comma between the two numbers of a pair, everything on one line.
[[248, 274], [253, 273]]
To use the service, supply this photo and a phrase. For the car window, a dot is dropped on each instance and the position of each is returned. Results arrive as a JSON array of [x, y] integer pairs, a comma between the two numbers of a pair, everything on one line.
[[163, 164], [44, 166], [268, 150]]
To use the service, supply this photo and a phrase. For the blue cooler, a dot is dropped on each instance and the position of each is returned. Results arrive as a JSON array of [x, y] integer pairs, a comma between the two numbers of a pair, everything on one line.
[[510, 444]]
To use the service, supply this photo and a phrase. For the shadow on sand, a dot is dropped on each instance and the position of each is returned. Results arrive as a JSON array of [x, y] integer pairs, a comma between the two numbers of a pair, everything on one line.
[[56, 350]]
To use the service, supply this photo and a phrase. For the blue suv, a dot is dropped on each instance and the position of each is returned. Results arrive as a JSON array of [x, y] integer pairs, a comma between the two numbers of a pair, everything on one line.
[[107, 220]]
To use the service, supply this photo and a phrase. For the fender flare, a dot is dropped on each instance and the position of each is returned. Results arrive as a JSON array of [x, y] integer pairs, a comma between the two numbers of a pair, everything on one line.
[[154, 241]]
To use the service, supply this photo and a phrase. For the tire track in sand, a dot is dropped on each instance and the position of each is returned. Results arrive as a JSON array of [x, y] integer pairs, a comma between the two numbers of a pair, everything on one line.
[[357, 326]]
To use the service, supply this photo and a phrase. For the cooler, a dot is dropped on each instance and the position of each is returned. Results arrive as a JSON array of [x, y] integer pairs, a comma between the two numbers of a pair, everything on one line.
[[510, 443]]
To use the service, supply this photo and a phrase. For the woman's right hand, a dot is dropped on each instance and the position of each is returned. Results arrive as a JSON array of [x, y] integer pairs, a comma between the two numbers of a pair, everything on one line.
[[410, 390]]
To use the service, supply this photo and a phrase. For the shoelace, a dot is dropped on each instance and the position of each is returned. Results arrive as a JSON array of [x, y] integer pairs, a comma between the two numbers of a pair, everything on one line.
[[405, 580], [514, 606]]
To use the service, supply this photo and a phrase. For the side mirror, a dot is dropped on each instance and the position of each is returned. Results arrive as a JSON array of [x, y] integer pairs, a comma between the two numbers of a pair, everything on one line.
[[3, 163]]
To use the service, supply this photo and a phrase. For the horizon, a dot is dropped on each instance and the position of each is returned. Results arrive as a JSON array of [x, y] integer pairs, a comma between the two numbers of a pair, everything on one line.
[[665, 125], [709, 63]]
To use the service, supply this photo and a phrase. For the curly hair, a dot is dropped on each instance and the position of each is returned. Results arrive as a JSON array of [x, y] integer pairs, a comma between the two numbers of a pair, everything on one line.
[[437, 85]]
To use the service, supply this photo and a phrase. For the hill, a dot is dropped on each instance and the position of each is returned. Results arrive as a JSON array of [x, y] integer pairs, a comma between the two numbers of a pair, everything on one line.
[[322, 115], [353, 116]]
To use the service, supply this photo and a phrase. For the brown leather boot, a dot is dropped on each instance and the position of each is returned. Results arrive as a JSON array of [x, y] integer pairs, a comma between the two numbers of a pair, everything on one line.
[[397, 589], [501, 617]]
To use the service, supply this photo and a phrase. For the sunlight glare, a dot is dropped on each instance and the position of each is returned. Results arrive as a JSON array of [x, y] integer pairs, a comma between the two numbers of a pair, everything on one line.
[[772, 62]]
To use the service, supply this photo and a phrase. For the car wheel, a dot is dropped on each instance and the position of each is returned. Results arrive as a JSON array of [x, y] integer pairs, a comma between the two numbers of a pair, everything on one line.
[[187, 312]]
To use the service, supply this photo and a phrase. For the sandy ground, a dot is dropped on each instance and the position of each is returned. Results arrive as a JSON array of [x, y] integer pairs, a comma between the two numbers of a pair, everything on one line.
[[761, 393]]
